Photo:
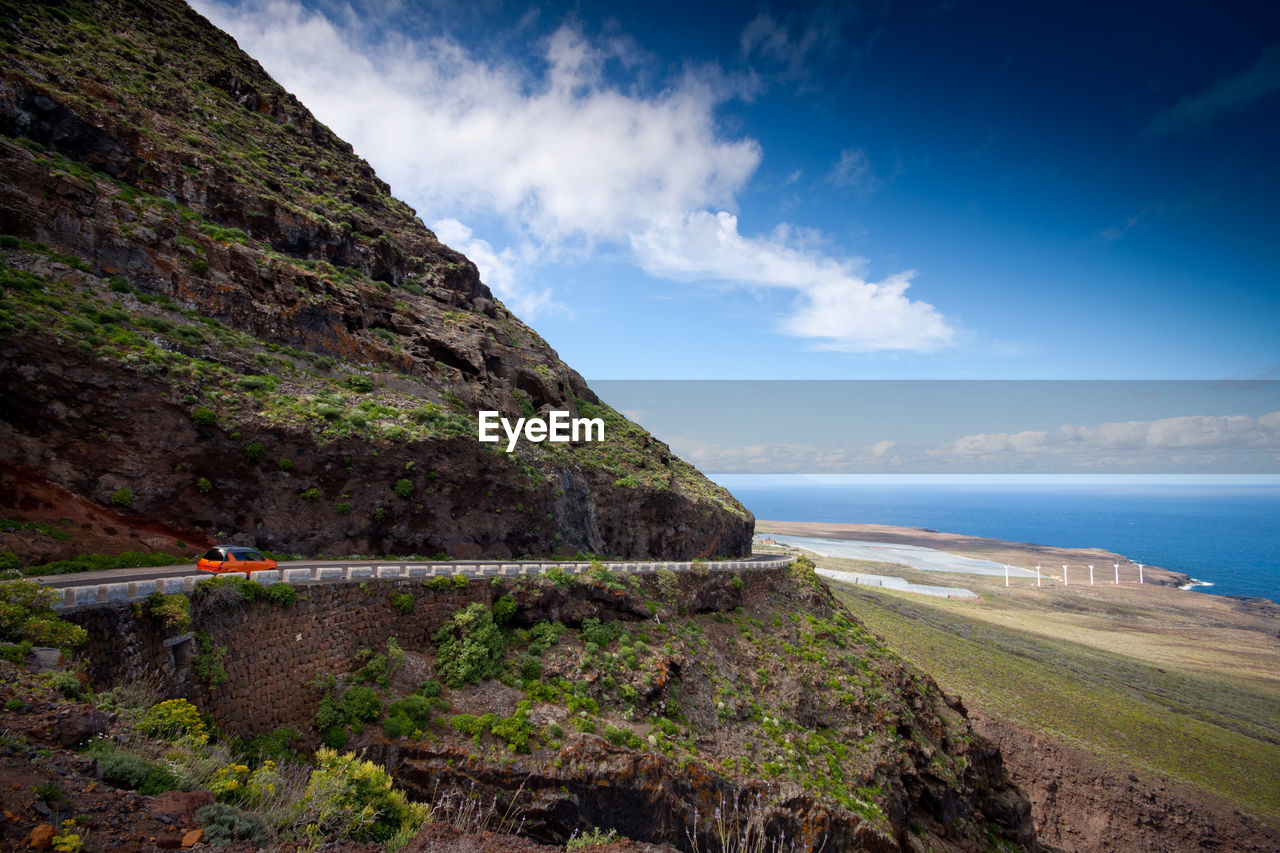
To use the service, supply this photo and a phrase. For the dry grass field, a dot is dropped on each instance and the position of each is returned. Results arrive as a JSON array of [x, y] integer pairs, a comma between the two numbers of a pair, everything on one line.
[[1148, 678]]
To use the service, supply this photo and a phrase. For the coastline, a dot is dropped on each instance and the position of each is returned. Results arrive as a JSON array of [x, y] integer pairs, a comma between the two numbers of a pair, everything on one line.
[[1133, 714], [1020, 554]]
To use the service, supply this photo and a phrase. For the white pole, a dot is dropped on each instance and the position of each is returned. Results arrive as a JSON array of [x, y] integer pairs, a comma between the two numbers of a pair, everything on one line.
[[1140, 580], [1091, 576], [1065, 582], [1117, 573], [1037, 576], [1006, 574]]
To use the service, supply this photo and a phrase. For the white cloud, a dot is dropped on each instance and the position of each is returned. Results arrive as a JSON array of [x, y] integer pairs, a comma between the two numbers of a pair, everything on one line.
[[569, 159], [835, 306], [501, 270], [1192, 444], [1137, 442], [853, 170]]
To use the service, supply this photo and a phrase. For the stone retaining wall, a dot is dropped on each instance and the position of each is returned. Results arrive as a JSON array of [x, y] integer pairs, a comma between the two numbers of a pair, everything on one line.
[[271, 652]]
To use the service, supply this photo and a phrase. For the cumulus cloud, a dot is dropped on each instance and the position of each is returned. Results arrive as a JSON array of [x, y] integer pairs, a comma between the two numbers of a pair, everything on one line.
[[1230, 94], [836, 306], [571, 158]]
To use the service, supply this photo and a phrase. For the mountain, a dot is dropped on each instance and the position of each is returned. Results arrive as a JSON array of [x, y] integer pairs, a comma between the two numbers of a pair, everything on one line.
[[219, 324]]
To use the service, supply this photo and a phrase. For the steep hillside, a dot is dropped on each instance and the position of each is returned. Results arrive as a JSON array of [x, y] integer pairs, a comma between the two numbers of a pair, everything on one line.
[[711, 710], [216, 319]]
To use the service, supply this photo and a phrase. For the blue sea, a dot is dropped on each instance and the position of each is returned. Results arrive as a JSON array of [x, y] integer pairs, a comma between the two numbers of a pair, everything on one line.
[[1228, 536]]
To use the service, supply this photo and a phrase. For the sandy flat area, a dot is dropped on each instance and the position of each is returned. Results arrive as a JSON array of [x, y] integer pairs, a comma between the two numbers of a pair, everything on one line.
[[1022, 554]]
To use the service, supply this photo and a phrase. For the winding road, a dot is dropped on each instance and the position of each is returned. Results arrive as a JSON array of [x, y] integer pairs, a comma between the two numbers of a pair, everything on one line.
[[114, 585]]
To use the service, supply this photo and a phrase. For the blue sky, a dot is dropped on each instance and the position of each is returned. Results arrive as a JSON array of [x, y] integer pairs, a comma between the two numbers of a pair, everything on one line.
[[831, 190]]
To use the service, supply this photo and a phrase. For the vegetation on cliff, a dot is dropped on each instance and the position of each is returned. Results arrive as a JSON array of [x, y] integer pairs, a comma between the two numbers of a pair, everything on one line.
[[183, 239], [1175, 689]]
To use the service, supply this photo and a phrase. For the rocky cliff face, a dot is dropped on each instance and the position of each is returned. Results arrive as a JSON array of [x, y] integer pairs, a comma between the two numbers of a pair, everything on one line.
[[217, 318]]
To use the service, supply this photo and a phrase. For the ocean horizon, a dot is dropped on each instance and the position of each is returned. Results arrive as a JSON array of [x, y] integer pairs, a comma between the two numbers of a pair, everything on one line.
[[1224, 535]]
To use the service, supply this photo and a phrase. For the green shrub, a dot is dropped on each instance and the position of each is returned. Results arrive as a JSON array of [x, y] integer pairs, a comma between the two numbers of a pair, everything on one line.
[[403, 602], [102, 562], [429, 688], [246, 590], [597, 837], [204, 485], [803, 570], [443, 583], [173, 610], [258, 382], [224, 824], [503, 609], [619, 736], [342, 508], [544, 635], [207, 661], [530, 668], [408, 717], [403, 488], [255, 451], [358, 383], [285, 464], [361, 704], [135, 773], [559, 576], [276, 745], [356, 798], [668, 583], [470, 646], [27, 615], [199, 266], [122, 498], [280, 595], [15, 652], [516, 729], [174, 720], [312, 494], [600, 633], [66, 683], [203, 416]]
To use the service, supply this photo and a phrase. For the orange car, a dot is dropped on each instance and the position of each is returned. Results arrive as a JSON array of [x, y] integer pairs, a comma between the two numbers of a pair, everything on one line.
[[231, 558]]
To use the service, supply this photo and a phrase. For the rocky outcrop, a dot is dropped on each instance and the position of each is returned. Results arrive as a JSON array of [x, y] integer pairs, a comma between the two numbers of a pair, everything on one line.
[[184, 237], [1085, 805]]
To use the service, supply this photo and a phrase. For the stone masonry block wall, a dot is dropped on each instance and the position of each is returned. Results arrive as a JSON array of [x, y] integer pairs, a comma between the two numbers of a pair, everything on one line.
[[273, 652]]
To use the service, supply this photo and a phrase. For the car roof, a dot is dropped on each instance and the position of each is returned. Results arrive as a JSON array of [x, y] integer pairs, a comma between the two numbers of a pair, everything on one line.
[[234, 549]]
